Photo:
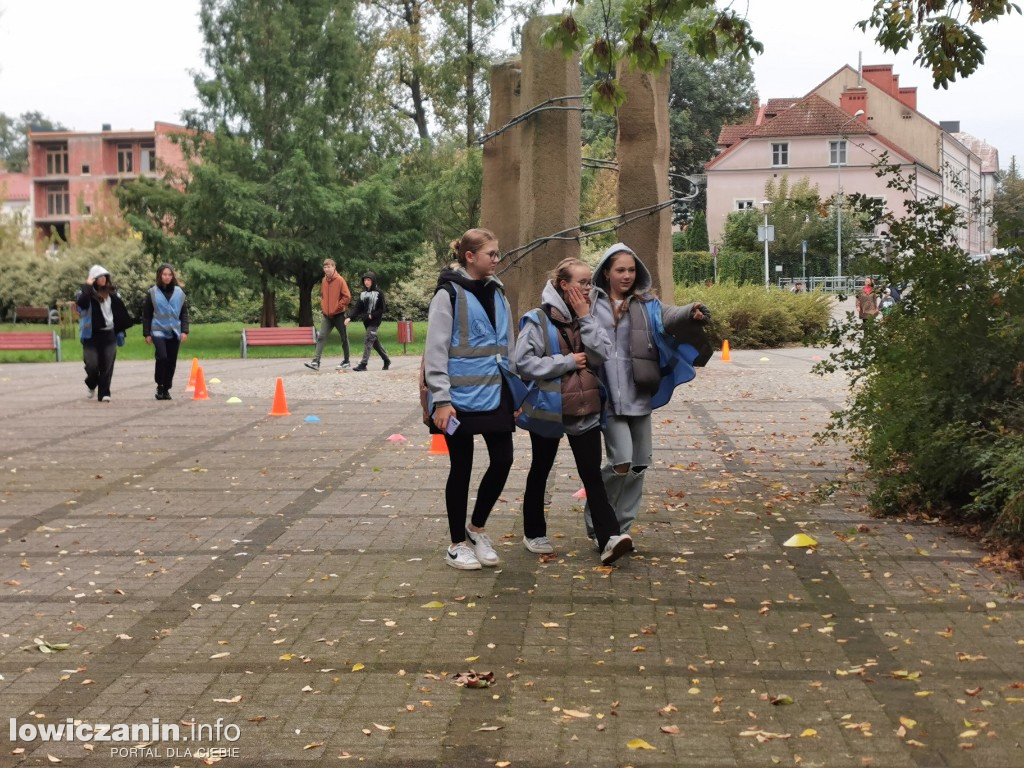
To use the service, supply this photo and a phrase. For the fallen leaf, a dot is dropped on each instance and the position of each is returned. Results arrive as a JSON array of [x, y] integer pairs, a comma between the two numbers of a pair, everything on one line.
[[808, 733], [575, 713], [638, 744], [314, 745], [380, 727], [357, 666], [221, 655], [432, 604], [490, 727], [232, 700], [670, 729]]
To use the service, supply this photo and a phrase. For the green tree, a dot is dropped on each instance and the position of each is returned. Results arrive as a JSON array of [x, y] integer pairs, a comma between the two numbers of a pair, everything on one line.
[[946, 46], [697, 233], [281, 176], [14, 137], [1008, 207]]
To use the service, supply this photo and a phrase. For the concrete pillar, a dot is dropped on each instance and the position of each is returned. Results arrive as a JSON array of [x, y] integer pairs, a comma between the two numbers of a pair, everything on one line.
[[499, 208], [550, 165], [642, 151]]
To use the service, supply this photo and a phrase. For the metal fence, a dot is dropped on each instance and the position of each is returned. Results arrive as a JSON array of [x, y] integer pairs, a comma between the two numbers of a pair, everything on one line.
[[844, 285]]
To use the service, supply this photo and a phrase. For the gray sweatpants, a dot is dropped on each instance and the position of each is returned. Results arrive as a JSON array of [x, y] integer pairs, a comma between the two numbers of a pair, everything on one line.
[[373, 343], [329, 322], [627, 440]]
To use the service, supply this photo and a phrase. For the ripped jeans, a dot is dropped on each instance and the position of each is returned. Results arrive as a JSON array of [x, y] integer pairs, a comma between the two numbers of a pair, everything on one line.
[[628, 450]]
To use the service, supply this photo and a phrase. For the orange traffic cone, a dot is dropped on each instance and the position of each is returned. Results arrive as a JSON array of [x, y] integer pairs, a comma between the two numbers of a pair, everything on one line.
[[438, 445], [192, 376], [726, 357], [280, 407], [200, 392]]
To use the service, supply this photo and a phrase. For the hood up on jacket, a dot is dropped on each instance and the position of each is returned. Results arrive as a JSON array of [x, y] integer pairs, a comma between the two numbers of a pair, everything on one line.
[[550, 297], [373, 281], [643, 275], [98, 271]]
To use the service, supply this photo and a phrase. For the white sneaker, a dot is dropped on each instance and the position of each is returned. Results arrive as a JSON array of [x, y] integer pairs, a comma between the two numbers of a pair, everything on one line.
[[105, 399], [461, 556], [344, 365], [483, 547], [92, 393], [616, 547], [540, 545]]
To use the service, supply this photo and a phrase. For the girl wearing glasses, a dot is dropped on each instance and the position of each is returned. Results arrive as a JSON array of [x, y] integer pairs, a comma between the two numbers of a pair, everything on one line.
[[468, 380], [560, 344], [654, 349]]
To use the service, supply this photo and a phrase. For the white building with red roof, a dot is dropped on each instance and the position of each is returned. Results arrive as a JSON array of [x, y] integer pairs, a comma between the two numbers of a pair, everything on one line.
[[15, 199], [835, 135]]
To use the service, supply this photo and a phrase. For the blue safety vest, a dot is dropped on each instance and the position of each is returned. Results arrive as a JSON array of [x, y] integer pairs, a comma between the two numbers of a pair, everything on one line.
[[478, 353], [166, 312], [675, 359], [542, 408], [84, 322]]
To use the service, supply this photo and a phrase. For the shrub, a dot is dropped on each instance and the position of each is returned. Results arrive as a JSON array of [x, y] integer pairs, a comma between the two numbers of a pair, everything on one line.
[[751, 317], [936, 406], [692, 267]]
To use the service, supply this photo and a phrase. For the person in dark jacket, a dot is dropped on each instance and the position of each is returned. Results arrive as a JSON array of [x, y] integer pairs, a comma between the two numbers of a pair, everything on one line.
[[370, 310], [559, 347], [165, 326], [102, 319]]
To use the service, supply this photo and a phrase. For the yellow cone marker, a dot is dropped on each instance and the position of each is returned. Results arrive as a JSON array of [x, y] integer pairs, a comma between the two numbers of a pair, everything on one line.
[[233, 400], [800, 540]]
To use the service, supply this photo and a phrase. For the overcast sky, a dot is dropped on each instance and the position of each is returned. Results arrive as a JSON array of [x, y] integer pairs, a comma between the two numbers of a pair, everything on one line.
[[128, 62]]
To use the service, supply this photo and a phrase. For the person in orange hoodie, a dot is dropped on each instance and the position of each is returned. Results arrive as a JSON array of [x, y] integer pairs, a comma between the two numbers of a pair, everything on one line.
[[334, 300]]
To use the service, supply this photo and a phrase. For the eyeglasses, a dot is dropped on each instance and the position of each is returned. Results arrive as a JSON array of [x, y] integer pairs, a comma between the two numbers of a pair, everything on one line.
[[493, 255], [584, 283]]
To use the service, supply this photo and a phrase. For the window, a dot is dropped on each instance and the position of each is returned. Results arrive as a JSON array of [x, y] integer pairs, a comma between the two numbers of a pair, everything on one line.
[[780, 154], [125, 158], [875, 205], [58, 201], [837, 152], [85, 170], [147, 162], [56, 159], [744, 205]]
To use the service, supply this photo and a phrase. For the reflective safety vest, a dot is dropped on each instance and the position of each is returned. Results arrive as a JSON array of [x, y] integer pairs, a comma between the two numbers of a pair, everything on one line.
[[542, 408], [166, 312], [84, 322], [478, 354]]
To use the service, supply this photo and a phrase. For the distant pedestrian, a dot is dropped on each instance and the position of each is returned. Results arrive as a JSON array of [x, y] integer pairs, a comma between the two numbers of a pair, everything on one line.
[[165, 326], [887, 303], [102, 321], [867, 302], [334, 300], [653, 350], [466, 369], [370, 310], [559, 346]]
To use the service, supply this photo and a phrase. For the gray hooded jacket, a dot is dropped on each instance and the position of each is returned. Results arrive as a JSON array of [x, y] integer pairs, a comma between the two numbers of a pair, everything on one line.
[[624, 398], [531, 363]]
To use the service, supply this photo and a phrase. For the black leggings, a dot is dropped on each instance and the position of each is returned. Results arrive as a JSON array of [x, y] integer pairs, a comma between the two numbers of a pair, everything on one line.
[[586, 449], [456, 492], [166, 350]]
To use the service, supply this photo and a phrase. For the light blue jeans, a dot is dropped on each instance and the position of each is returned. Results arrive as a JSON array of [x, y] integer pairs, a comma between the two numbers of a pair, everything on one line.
[[627, 442]]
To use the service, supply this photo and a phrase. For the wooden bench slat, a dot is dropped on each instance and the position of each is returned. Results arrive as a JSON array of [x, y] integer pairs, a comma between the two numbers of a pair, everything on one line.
[[30, 340], [276, 337]]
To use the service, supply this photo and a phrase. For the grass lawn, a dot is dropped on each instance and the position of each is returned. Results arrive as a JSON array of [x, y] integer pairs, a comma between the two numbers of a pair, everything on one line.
[[217, 340]]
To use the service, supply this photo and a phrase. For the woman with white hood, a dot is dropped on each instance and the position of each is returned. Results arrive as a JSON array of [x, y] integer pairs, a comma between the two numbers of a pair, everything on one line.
[[102, 321], [653, 349], [560, 344]]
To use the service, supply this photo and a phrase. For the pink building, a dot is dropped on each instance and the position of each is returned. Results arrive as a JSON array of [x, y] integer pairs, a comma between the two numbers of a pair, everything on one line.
[[74, 173], [835, 134]]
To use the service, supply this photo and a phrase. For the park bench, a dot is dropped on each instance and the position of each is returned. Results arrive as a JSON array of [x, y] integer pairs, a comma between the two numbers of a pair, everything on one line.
[[21, 340], [34, 313], [276, 337]]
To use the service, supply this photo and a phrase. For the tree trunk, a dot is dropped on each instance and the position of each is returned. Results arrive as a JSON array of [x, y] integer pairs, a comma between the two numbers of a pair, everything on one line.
[[268, 315], [470, 77], [305, 300], [412, 13]]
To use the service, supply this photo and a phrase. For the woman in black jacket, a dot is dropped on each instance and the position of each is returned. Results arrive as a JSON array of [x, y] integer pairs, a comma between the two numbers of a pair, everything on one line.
[[102, 317]]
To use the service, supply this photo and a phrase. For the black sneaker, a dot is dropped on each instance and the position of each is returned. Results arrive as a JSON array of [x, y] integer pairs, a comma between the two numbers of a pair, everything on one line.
[[313, 365], [361, 367], [159, 393], [387, 364]]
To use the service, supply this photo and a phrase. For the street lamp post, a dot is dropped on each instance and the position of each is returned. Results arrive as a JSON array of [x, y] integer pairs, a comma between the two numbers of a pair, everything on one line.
[[765, 204], [839, 196]]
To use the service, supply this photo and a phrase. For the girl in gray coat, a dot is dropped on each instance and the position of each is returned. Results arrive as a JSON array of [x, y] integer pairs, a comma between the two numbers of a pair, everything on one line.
[[653, 350], [559, 345]]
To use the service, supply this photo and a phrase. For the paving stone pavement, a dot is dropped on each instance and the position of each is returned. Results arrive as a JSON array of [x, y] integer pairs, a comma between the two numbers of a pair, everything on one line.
[[205, 562]]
